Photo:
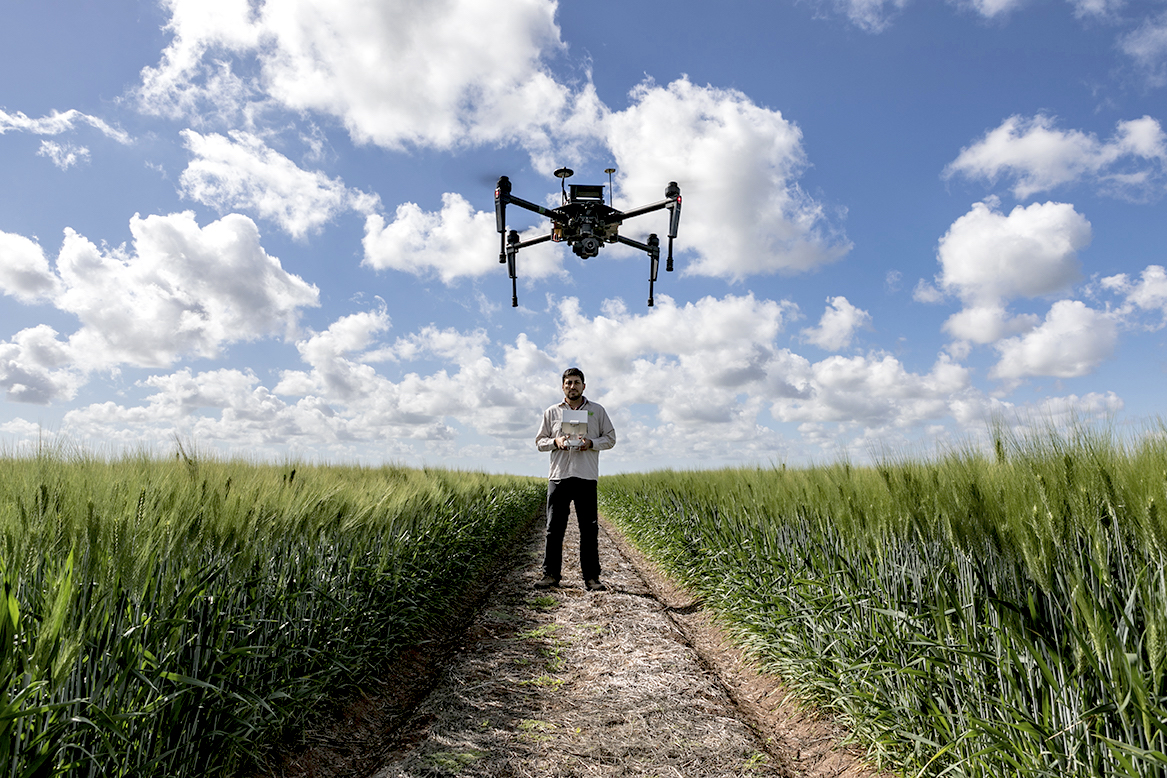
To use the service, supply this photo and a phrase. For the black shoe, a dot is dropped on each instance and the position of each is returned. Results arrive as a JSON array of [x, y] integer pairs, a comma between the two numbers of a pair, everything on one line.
[[594, 585], [547, 582]]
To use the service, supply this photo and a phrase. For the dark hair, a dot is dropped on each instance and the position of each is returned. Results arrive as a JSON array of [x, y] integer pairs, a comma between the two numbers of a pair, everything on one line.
[[573, 371]]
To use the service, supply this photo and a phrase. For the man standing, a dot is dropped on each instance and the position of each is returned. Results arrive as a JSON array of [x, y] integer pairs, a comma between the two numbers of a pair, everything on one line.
[[575, 470]]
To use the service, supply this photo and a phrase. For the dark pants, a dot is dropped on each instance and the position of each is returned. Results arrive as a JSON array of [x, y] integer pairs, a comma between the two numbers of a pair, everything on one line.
[[560, 495]]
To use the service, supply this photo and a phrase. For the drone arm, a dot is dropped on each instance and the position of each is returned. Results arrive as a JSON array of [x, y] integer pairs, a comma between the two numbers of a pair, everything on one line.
[[643, 210], [532, 242], [550, 213], [503, 197]]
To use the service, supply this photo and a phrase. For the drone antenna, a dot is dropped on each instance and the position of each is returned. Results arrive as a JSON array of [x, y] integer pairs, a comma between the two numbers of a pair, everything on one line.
[[611, 193], [563, 174]]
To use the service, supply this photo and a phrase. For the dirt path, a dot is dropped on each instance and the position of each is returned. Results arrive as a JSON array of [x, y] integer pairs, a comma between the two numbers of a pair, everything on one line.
[[628, 682]]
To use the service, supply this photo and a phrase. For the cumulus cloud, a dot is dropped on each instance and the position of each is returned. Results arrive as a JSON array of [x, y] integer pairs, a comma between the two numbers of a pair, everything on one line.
[[1073, 340], [987, 323], [458, 72], [453, 243], [737, 164], [711, 369], [24, 271], [707, 377], [396, 73], [1149, 293], [242, 173], [35, 367], [838, 325], [493, 396], [227, 406], [874, 391], [1038, 157], [184, 290], [704, 381], [987, 256]]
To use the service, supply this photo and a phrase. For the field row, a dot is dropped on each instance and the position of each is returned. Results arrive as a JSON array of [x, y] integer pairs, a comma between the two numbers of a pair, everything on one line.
[[175, 618], [972, 615]]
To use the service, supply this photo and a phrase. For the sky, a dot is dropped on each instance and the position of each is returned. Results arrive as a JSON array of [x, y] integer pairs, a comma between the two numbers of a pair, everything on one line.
[[266, 229]]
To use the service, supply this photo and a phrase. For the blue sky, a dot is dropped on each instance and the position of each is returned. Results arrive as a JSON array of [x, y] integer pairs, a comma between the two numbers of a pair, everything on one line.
[[267, 229]]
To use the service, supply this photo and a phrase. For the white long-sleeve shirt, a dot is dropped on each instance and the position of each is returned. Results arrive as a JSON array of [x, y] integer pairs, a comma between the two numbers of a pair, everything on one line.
[[571, 463]]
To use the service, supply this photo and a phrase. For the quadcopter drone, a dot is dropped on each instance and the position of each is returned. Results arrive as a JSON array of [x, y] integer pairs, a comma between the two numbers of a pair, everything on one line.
[[585, 222]]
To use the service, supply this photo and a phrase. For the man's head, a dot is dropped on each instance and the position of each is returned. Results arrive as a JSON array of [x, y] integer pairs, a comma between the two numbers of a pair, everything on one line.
[[573, 384]]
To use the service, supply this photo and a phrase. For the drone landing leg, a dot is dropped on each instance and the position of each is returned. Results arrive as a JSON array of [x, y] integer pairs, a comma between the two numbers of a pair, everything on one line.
[[653, 263]]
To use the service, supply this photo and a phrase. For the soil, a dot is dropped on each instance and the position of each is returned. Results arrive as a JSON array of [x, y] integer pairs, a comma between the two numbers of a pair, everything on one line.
[[636, 680]]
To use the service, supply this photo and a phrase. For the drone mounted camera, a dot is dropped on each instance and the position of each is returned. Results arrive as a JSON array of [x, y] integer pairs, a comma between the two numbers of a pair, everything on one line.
[[585, 222]]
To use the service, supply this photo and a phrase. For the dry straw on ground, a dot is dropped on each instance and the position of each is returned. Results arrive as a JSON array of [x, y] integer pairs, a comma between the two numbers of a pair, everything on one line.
[[633, 681]]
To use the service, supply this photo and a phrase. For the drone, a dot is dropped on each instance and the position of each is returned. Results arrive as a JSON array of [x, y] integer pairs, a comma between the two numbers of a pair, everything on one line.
[[585, 222]]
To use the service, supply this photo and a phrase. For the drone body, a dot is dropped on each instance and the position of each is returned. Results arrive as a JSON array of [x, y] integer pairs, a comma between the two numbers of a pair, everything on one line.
[[585, 222]]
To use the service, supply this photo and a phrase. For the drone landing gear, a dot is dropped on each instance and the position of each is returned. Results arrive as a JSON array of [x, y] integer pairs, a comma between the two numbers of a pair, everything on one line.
[[652, 248], [513, 245]]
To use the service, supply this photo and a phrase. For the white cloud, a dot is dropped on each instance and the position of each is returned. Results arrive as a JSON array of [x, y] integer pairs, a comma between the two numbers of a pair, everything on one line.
[[63, 156], [699, 381], [1147, 46], [987, 257], [709, 372], [24, 271], [873, 391], [1149, 294], [480, 393], [453, 243], [1038, 157], [35, 367], [717, 338], [395, 73], [737, 164], [249, 417], [1072, 341], [458, 72], [710, 368], [58, 122], [987, 324], [243, 173], [185, 290], [837, 326]]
